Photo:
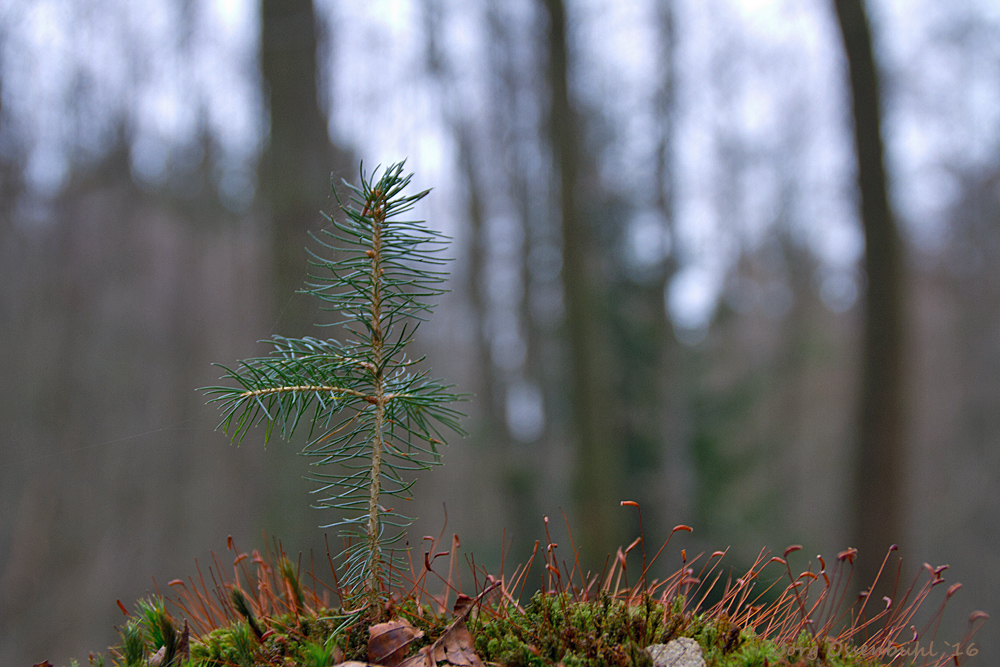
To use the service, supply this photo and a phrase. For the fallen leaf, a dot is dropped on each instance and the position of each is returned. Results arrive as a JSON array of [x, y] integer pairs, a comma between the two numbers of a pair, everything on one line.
[[389, 642], [423, 658], [463, 604], [456, 647], [42, 664]]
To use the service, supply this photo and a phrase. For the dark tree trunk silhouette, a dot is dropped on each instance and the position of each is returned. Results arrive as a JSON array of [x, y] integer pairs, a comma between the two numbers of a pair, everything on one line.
[[299, 158], [879, 474], [595, 478], [294, 177], [663, 374]]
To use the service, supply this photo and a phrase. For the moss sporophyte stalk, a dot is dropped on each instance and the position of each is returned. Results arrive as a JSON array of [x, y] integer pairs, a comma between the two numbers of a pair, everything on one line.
[[372, 413], [574, 621]]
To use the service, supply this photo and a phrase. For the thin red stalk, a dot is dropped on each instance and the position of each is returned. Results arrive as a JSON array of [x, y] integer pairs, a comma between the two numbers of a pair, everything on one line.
[[861, 612], [577, 569], [333, 571], [645, 568], [453, 573], [204, 601], [470, 560], [224, 601], [525, 570], [187, 604], [598, 578], [642, 538]]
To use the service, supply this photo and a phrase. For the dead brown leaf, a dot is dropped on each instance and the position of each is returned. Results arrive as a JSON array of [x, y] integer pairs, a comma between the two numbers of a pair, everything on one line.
[[423, 658], [455, 646], [463, 605], [389, 642]]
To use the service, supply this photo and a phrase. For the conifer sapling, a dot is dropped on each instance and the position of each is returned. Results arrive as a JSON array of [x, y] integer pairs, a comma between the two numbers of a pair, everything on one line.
[[372, 414]]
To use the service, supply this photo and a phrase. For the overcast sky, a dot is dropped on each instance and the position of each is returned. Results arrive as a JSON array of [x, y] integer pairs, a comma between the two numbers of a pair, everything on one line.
[[747, 71]]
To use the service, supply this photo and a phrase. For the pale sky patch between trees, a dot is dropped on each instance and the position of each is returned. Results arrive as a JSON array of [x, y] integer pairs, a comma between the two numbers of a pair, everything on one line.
[[170, 71]]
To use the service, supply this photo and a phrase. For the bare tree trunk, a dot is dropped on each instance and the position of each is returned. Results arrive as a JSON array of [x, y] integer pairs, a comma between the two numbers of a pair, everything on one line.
[[879, 473], [485, 391], [596, 476], [666, 378], [295, 170], [294, 179]]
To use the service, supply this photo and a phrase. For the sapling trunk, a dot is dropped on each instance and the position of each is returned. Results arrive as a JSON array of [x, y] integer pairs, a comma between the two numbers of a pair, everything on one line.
[[378, 443]]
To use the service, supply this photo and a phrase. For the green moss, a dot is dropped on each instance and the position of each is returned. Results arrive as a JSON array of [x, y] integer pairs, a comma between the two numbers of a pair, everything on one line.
[[552, 629]]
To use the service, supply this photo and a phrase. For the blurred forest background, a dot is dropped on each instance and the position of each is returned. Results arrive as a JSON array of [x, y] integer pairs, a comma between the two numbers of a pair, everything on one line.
[[658, 295]]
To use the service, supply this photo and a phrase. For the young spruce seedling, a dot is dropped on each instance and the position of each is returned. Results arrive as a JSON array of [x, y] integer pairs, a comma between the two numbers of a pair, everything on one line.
[[372, 414]]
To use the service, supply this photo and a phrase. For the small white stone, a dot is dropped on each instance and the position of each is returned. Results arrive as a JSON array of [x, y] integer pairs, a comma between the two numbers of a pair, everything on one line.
[[681, 652]]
